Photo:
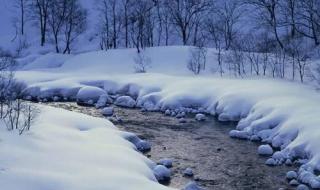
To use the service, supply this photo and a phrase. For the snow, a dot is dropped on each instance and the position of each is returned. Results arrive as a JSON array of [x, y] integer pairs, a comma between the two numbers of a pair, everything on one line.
[[302, 187], [88, 93], [66, 150], [192, 186], [108, 111], [125, 101], [283, 114], [162, 173], [291, 175], [167, 162], [188, 172], [265, 150], [200, 117]]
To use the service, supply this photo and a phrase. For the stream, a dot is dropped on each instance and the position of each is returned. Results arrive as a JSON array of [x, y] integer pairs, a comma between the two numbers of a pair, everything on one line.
[[218, 162]]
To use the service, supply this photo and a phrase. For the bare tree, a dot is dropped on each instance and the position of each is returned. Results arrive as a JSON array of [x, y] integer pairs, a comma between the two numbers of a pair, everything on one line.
[[41, 12], [197, 60], [75, 23], [183, 15]]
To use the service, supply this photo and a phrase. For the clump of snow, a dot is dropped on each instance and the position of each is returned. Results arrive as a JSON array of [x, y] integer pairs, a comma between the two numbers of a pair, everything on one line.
[[188, 172], [125, 101], [302, 187], [265, 150], [291, 175], [89, 94], [103, 100], [182, 120], [162, 173], [271, 162], [107, 111], [192, 186], [167, 162], [294, 182], [143, 146], [200, 117]]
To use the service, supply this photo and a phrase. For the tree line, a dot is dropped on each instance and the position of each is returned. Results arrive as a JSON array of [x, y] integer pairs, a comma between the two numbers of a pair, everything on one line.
[[280, 31]]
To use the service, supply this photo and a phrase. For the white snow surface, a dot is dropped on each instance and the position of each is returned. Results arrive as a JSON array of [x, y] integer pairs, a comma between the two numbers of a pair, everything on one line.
[[66, 150], [281, 113]]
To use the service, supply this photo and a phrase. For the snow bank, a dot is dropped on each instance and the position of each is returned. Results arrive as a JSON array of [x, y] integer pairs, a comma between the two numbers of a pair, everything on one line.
[[284, 115], [66, 150]]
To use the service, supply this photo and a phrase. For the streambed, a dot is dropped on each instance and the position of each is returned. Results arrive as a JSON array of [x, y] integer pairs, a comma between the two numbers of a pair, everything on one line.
[[217, 161]]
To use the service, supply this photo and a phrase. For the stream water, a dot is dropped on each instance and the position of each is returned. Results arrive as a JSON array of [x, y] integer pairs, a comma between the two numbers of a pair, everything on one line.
[[218, 161]]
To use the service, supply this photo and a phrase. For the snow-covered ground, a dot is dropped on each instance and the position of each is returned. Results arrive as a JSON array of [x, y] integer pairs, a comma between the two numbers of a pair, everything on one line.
[[67, 150], [281, 113]]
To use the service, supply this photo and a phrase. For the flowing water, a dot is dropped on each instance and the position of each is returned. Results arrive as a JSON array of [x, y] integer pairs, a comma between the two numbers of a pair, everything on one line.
[[218, 161]]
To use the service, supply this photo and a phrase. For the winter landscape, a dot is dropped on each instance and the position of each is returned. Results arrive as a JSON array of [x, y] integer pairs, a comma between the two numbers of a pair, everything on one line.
[[159, 94]]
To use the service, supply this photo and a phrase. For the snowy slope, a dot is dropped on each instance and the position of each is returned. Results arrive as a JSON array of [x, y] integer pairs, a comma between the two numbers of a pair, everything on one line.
[[283, 114], [66, 150]]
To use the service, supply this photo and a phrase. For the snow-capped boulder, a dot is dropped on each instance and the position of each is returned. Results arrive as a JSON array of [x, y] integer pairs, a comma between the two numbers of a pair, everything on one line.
[[302, 187], [192, 186], [291, 175], [143, 146], [200, 117], [239, 134], [125, 101], [56, 98], [167, 113], [165, 162], [271, 162], [265, 150], [89, 94], [294, 182], [188, 172], [107, 111], [288, 162], [103, 100], [162, 173], [181, 115], [182, 120]]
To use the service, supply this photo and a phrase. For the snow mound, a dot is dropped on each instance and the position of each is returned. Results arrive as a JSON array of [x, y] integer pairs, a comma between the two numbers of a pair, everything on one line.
[[162, 173], [192, 186], [125, 101], [167, 162], [108, 111], [89, 94], [265, 150]]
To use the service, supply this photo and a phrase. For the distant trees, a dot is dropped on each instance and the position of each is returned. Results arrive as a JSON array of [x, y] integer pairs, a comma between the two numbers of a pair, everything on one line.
[[257, 36]]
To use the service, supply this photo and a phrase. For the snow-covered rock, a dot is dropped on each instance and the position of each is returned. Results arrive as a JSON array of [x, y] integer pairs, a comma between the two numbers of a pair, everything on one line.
[[107, 111], [302, 187], [162, 173], [89, 94], [181, 115], [103, 100], [265, 150], [143, 146], [294, 182], [188, 172], [182, 120], [125, 101], [200, 117], [271, 162], [167, 162], [192, 186], [291, 175], [167, 112], [239, 134]]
